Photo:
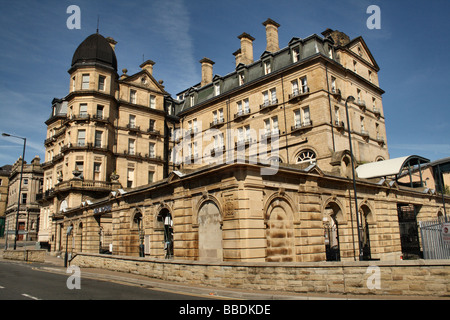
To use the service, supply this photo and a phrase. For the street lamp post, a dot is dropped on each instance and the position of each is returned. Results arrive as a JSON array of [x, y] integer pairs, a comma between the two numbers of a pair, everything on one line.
[[351, 99], [20, 186]]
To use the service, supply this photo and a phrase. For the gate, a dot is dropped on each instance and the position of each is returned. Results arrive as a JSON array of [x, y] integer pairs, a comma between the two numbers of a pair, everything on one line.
[[332, 249], [409, 233], [433, 245]]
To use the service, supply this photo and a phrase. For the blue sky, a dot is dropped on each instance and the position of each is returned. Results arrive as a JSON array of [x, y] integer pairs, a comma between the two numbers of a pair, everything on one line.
[[412, 49]]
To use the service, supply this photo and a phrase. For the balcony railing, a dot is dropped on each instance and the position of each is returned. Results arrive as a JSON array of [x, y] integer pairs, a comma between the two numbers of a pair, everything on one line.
[[268, 104], [242, 113], [270, 134], [339, 124], [216, 150], [301, 125], [296, 94], [336, 92], [151, 131], [365, 133], [133, 127], [217, 122], [244, 142]]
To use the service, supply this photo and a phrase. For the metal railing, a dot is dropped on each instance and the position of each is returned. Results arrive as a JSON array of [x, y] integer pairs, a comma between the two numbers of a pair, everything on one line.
[[432, 243]]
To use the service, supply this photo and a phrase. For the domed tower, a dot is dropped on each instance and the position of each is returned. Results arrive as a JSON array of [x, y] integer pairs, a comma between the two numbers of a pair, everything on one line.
[[107, 133], [91, 111], [79, 158]]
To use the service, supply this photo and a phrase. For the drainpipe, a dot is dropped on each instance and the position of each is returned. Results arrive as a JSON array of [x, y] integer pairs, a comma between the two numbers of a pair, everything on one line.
[[329, 103]]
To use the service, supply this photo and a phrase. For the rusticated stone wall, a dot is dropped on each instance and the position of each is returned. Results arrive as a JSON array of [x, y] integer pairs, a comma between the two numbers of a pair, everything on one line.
[[399, 278]]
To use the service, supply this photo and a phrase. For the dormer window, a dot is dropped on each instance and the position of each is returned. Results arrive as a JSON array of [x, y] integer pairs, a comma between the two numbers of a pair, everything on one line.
[[241, 78], [295, 54], [217, 89], [267, 67]]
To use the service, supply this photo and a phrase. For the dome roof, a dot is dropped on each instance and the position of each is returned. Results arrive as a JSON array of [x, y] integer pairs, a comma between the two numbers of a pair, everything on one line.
[[95, 48]]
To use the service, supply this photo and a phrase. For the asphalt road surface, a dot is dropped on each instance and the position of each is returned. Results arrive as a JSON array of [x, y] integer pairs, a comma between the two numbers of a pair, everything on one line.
[[23, 282]]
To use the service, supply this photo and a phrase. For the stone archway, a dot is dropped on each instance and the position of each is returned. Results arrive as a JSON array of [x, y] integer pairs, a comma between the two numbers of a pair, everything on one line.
[[137, 225], [210, 238], [331, 231], [164, 222], [366, 217], [80, 236], [280, 232]]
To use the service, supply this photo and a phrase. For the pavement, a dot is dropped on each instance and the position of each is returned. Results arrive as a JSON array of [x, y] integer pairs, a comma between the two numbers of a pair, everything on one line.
[[55, 264]]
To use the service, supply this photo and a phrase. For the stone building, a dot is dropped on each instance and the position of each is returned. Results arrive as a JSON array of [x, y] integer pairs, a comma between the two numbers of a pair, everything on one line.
[[107, 133], [250, 166], [5, 171], [29, 211]]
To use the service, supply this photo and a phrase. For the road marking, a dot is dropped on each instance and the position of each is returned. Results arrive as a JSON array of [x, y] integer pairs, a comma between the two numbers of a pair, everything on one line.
[[2, 287], [31, 297]]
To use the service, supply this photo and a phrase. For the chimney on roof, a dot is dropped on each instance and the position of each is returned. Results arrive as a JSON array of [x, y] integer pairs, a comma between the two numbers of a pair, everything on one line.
[[112, 42], [271, 35], [246, 48], [207, 71], [148, 65], [238, 55], [339, 38]]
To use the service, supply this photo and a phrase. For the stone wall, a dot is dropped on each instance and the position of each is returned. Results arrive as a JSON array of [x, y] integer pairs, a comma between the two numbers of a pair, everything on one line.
[[399, 278], [33, 255]]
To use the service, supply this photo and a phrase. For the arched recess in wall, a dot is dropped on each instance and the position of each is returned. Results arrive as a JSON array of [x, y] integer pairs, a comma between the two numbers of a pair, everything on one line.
[[164, 222], [367, 219], [332, 217], [279, 219], [210, 247], [80, 236], [137, 226]]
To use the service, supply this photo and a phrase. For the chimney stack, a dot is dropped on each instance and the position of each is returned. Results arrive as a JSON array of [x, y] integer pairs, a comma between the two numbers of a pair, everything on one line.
[[112, 42], [148, 65], [207, 71], [238, 55], [246, 48], [271, 35]]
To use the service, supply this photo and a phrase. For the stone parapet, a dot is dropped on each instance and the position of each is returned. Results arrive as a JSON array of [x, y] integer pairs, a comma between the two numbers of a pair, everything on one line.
[[30, 255]]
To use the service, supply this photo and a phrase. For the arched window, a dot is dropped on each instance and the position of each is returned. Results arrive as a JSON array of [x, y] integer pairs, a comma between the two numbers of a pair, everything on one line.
[[275, 159], [306, 156]]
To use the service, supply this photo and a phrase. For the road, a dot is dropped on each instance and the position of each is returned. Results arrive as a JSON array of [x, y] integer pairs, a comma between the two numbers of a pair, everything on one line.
[[20, 281]]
